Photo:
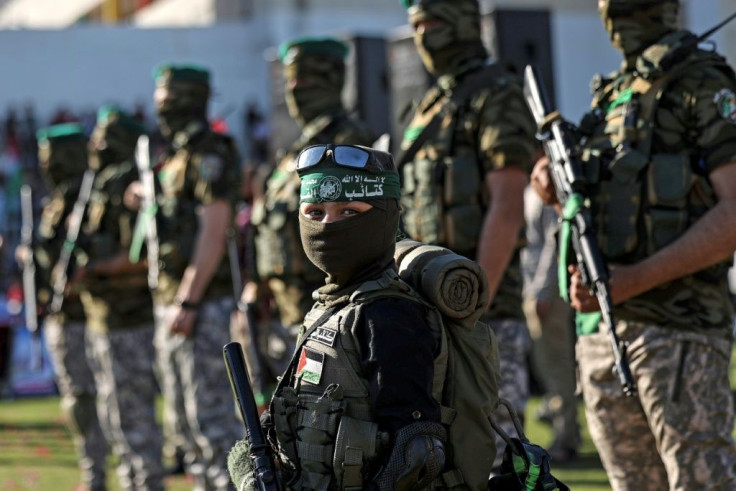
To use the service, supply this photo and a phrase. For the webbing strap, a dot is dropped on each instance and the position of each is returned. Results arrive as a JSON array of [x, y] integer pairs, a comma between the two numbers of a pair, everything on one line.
[[585, 323], [452, 478], [572, 207], [139, 235], [316, 453]]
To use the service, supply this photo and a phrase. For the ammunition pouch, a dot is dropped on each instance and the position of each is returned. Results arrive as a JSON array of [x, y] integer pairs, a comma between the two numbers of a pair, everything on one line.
[[443, 201]]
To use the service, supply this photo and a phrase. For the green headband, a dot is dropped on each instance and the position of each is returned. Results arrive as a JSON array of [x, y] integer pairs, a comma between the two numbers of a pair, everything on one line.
[[109, 115], [165, 74], [61, 132], [344, 184], [293, 50]]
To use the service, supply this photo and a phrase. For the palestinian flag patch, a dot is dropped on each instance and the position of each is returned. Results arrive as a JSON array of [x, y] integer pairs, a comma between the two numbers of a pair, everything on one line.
[[310, 366]]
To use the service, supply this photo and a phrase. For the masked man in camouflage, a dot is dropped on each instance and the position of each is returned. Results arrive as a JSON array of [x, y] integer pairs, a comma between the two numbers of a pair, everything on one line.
[[314, 71], [118, 305], [466, 156], [62, 154], [659, 150], [197, 189]]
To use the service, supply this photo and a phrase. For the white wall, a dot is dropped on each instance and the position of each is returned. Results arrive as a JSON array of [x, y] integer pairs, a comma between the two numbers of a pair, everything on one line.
[[85, 67]]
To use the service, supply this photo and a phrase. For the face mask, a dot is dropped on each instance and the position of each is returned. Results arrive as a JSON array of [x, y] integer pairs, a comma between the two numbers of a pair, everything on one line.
[[354, 249], [310, 101], [446, 33], [178, 104], [633, 26]]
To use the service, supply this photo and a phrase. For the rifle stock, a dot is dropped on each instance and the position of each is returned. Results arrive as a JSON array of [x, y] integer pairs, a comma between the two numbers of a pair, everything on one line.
[[571, 189], [145, 225], [266, 476]]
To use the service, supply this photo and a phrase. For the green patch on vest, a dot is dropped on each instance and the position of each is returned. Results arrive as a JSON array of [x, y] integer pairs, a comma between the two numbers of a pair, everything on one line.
[[620, 100], [413, 132]]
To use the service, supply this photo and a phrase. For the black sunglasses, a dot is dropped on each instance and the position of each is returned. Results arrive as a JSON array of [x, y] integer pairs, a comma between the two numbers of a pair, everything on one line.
[[342, 155]]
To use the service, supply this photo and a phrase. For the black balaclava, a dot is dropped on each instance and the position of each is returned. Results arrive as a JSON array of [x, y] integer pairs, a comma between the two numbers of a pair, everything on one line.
[[62, 153], [358, 248], [634, 25], [454, 41], [181, 97]]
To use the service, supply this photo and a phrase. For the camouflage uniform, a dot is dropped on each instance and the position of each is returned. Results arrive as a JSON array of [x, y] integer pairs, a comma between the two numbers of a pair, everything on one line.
[[314, 71], [119, 307], [653, 138], [200, 168], [445, 198], [63, 158]]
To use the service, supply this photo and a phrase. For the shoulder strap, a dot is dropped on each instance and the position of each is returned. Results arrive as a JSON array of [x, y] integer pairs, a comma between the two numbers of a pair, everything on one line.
[[286, 379], [467, 87], [651, 94]]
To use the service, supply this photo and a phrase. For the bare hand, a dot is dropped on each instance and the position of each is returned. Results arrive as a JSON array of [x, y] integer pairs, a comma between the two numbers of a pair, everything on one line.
[[133, 195], [541, 181], [182, 321], [23, 254], [581, 298]]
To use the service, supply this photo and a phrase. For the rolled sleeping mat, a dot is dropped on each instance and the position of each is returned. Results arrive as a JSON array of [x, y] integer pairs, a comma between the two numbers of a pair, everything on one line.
[[456, 285]]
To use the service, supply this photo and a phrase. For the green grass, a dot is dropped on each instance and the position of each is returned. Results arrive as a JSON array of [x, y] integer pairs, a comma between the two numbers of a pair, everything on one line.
[[36, 450]]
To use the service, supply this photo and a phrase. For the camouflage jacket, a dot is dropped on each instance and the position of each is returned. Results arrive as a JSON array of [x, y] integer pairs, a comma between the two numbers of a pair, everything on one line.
[[651, 141], [201, 167], [113, 302], [48, 241], [445, 197]]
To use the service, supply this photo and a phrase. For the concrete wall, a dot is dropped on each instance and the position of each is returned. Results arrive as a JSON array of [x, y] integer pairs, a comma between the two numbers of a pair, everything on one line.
[[84, 67]]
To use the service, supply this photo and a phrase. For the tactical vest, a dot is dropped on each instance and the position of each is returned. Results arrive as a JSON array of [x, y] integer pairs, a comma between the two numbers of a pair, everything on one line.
[[323, 422], [642, 199], [121, 301], [443, 187], [177, 221], [48, 243]]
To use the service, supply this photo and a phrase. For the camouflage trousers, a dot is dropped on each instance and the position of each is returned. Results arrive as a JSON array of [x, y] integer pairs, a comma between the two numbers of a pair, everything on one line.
[[676, 434], [76, 383], [513, 348], [126, 388], [197, 392]]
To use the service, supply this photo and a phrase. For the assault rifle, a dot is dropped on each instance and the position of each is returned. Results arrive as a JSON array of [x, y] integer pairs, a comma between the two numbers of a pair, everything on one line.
[[29, 266], [61, 269], [571, 189], [265, 475], [29, 275], [145, 225]]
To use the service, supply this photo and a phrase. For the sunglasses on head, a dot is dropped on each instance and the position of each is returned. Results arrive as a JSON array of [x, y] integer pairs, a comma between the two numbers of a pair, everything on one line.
[[343, 155]]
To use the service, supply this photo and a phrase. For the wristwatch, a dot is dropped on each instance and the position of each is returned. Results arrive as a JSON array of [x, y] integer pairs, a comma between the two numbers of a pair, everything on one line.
[[185, 304]]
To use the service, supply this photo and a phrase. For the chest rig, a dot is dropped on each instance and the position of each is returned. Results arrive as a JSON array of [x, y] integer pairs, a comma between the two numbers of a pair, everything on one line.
[[646, 192], [323, 423], [443, 192]]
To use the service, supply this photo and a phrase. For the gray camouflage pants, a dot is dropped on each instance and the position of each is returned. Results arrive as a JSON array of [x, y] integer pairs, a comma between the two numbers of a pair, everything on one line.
[[676, 434], [196, 389], [513, 346], [66, 343], [126, 393]]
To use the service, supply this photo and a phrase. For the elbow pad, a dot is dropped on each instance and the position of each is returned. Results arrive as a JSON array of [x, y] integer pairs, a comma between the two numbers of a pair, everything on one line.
[[417, 458]]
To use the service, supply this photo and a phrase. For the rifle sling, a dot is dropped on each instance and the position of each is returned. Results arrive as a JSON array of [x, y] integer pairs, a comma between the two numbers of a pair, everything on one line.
[[468, 86]]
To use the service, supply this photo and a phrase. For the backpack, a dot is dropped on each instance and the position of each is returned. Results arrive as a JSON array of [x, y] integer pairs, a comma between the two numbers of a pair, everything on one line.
[[457, 288]]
